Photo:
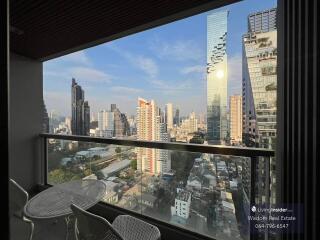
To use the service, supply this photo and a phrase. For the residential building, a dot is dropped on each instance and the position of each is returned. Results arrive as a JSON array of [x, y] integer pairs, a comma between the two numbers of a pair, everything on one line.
[[217, 77], [68, 122], [151, 127], [106, 123], [169, 116], [182, 204], [235, 119]]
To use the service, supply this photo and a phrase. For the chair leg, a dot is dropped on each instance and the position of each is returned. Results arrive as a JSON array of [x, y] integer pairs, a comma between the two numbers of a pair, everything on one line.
[[31, 225]]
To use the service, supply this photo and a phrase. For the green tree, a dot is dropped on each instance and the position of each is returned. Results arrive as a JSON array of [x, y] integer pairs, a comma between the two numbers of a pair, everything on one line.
[[133, 164], [118, 152]]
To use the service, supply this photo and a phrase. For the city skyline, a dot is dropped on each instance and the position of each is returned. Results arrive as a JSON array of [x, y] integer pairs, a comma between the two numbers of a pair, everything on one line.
[[169, 67]]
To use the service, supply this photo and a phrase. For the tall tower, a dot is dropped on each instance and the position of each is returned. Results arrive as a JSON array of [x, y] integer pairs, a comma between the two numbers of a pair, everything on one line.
[[259, 73], [80, 111], [169, 116], [146, 130], [236, 118], [263, 21], [45, 118], [217, 77], [151, 127]]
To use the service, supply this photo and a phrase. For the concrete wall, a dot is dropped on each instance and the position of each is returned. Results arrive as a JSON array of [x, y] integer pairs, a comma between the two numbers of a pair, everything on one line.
[[25, 123]]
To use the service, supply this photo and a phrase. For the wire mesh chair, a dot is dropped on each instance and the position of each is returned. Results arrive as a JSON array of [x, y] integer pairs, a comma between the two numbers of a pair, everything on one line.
[[18, 198], [89, 226], [132, 228]]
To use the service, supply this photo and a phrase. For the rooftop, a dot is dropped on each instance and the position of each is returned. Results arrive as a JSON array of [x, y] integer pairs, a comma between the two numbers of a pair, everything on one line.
[[183, 195]]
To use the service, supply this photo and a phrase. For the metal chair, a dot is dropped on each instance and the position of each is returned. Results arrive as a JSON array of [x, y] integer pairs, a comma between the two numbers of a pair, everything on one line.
[[89, 226], [18, 198], [132, 228]]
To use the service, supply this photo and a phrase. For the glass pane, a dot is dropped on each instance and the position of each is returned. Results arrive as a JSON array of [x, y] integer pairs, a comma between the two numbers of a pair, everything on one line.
[[206, 193]]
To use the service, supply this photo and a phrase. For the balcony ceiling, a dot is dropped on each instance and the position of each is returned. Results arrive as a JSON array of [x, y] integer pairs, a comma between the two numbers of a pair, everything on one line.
[[46, 29]]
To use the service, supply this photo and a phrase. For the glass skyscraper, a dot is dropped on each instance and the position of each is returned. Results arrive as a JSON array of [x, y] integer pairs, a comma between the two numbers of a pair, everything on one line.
[[259, 92], [80, 110], [217, 77]]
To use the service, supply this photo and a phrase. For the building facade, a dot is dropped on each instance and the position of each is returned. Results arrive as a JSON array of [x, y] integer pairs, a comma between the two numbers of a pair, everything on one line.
[[80, 111], [169, 116], [151, 127], [121, 125], [182, 204], [235, 119], [106, 123], [217, 77], [260, 96]]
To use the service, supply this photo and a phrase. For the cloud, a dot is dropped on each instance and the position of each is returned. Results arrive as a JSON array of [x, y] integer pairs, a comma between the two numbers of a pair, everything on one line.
[[234, 74], [147, 65], [180, 50], [194, 69], [79, 57], [125, 90], [89, 74]]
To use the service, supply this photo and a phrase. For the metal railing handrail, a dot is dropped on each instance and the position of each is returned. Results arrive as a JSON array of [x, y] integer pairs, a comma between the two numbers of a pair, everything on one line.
[[212, 149]]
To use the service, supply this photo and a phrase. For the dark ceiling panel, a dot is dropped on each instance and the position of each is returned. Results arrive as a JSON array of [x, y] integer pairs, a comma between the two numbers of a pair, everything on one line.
[[46, 29]]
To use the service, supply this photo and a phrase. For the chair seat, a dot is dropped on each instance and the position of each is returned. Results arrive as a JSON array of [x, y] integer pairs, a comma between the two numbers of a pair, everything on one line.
[[131, 228]]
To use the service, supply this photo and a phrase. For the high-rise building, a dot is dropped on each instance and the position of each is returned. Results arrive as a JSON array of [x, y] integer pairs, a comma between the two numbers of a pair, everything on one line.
[[106, 123], [217, 77], [259, 88], [259, 85], [177, 117], [121, 125], [45, 119], [236, 119], [86, 118], [169, 116], [113, 107], [151, 127], [80, 110], [68, 122], [263, 21]]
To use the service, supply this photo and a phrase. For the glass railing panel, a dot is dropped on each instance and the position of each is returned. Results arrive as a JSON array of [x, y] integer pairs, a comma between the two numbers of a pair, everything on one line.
[[204, 193]]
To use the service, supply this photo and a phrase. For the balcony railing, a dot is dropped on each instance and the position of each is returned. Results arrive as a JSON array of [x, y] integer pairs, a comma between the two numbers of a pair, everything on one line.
[[207, 189]]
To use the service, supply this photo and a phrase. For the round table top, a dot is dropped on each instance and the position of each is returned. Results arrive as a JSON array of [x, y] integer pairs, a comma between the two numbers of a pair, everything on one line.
[[55, 201]]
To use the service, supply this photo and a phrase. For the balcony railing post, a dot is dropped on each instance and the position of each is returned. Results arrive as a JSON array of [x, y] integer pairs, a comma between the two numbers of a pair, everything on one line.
[[253, 174], [45, 162], [267, 190]]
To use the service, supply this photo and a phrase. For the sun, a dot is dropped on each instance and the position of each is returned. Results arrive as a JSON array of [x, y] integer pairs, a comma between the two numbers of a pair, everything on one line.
[[220, 74]]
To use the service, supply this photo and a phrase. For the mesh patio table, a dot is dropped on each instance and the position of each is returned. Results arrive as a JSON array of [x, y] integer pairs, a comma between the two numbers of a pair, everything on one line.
[[55, 201]]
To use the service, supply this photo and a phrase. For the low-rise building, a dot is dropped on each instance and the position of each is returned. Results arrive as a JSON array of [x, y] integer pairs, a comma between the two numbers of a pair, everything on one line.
[[113, 169], [147, 200], [182, 204]]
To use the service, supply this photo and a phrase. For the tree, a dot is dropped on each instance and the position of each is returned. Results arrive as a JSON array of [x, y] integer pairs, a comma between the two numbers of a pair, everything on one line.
[[118, 151], [133, 164]]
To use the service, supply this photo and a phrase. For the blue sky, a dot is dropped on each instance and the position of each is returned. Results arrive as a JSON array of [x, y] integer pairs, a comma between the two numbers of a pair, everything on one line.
[[166, 64]]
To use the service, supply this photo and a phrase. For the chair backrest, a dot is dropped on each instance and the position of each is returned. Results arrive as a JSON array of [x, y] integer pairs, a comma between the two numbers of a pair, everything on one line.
[[18, 198], [89, 226], [134, 228]]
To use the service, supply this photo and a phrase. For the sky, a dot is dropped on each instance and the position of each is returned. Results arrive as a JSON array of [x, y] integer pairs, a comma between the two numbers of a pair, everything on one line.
[[166, 64]]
